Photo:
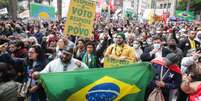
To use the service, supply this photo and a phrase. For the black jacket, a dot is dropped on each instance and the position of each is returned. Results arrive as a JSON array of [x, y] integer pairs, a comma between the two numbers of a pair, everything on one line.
[[185, 46], [146, 54]]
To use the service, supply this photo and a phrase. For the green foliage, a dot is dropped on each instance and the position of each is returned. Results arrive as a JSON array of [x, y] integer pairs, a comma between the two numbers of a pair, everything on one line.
[[4, 3], [193, 4], [196, 4], [181, 5]]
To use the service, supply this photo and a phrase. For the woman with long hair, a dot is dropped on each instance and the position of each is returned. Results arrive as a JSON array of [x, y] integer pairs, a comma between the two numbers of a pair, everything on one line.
[[36, 61], [90, 57]]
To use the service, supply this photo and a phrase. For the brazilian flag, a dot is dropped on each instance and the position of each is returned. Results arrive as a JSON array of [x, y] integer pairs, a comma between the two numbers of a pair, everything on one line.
[[42, 11], [186, 15], [125, 83]]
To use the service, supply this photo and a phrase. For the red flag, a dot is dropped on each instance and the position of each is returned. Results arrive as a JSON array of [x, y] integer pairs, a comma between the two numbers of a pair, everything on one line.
[[99, 3], [112, 5]]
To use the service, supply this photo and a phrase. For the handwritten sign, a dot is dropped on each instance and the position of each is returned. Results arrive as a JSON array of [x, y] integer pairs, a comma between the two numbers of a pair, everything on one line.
[[80, 18]]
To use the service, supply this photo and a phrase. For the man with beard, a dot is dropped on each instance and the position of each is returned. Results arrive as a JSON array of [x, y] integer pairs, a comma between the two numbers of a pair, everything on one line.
[[120, 50], [66, 62]]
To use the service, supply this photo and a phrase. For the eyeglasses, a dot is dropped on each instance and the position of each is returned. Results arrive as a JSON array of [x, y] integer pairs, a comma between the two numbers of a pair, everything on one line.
[[31, 52]]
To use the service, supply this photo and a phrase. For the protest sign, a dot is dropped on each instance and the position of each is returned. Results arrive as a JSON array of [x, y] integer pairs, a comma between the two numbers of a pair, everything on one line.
[[80, 18], [4, 11], [109, 62]]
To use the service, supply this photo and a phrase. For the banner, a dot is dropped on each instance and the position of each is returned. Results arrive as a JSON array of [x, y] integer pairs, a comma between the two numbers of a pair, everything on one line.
[[112, 8], [142, 6], [42, 11], [109, 62], [24, 14], [80, 18], [127, 8], [189, 16], [125, 83], [4, 11]]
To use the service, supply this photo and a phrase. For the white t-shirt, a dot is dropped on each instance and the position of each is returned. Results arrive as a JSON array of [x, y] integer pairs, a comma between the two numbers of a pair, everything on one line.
[[56, 65], [158, 54]]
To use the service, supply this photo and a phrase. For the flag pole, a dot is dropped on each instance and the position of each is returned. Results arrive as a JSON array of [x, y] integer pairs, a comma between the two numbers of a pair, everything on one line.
[[108, 11]]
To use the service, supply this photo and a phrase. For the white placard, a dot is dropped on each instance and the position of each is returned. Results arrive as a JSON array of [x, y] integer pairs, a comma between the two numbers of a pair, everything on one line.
[[4, 11]]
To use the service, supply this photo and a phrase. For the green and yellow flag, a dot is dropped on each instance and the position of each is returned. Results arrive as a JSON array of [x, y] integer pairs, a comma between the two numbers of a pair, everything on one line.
[[186, 15], [125, 83], [42, 11]]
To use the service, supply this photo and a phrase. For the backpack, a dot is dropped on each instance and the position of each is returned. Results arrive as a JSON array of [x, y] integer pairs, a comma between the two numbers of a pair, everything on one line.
[[8, 91], [156, 94]]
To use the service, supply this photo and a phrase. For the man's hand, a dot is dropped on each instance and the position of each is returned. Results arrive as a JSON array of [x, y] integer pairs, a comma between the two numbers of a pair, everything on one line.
[[186, 78], [33, 89], [185, 85], [154, 51], [78, 63], [122, 58], [112, 57], [196, 55], [160, 84], [2, 48], [35, 75]]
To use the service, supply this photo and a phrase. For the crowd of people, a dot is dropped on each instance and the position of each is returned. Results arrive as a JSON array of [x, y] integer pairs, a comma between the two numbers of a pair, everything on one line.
[[29, 48]]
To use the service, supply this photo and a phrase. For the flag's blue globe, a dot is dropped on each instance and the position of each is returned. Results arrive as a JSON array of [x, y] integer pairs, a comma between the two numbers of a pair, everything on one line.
[[103, 92]]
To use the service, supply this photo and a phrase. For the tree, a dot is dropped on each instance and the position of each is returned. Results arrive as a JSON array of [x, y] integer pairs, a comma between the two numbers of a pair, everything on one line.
[[13, 8], [4, 3], [11, 5], [194, 4], [59, 9]]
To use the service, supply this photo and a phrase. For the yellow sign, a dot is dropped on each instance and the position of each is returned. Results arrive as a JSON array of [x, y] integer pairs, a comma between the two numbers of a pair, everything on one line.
[[109, 62], [104, 89], [80, 18]]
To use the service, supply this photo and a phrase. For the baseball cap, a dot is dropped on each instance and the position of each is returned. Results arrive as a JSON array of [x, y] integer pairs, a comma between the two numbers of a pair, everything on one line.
[[121, 34], [172, 58], [68, 50]]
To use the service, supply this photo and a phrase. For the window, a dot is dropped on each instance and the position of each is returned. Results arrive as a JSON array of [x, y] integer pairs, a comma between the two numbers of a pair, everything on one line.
[[165, 5], [161, 6], [169, 5]]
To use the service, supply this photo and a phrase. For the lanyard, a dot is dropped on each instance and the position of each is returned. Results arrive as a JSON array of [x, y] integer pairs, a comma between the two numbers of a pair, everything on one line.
[[163, 75]]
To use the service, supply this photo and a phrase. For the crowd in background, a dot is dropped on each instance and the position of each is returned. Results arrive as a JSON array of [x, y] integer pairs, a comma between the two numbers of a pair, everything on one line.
[[27, 47]]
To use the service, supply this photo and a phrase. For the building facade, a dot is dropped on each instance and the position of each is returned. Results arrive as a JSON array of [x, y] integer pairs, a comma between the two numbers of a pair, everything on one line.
[[166, 6]]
